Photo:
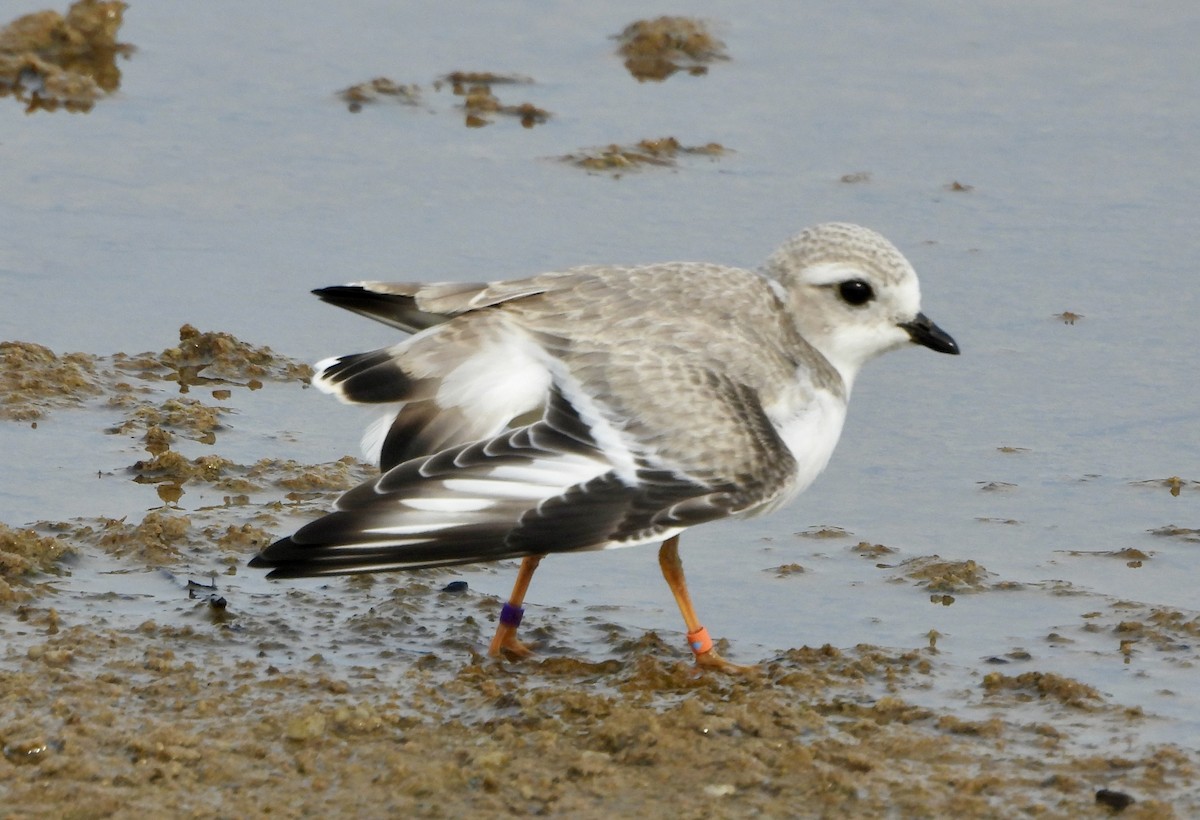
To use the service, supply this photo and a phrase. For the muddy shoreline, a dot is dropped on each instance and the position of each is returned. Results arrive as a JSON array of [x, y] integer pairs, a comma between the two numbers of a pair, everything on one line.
[[369, 696]]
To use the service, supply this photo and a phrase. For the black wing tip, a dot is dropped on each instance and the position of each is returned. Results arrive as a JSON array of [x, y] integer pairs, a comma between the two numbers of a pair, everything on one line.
[[348, 296], [337, 290], [274, 557]]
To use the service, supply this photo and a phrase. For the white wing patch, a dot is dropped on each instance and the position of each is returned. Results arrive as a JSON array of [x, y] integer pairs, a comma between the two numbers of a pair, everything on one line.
[[501, 381], [375, 435]]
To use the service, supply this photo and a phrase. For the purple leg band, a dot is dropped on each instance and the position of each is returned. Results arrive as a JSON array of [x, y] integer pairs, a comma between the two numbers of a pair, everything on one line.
[[511, 615]]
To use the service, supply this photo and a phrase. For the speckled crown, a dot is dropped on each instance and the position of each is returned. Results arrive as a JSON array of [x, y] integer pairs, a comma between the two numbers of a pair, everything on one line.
[[838, 242]]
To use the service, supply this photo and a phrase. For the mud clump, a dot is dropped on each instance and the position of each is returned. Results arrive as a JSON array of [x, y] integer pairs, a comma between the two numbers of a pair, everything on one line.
[[1040, 685], [872, 551], [662, 153], [953, 577], [187, 417], [48, 61], [33, 379], [207, 358], [158, 539], [165, 538], [24, 554], [656, 49]]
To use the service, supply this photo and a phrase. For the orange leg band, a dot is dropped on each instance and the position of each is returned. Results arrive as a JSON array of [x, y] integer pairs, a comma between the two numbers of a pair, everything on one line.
[[699, 641]]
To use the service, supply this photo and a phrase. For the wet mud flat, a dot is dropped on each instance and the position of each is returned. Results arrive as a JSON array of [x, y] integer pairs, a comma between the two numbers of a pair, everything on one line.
[[145, 671]]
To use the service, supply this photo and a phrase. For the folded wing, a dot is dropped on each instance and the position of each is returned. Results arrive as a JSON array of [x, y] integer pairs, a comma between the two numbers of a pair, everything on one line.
[[545, 487]]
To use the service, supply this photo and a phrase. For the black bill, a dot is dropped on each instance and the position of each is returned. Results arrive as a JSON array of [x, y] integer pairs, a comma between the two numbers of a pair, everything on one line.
[[925, 332]]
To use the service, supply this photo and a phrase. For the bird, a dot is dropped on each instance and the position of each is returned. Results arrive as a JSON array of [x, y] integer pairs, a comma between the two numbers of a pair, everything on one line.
[[602, 406]]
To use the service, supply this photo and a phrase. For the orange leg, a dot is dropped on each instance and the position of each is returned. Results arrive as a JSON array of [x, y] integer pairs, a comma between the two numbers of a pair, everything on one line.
[[698, 639], [505, 641]]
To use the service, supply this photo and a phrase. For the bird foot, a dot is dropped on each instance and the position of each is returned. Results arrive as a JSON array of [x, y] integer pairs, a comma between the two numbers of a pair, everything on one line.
[[515, 650], [506, 645], [711, 660]]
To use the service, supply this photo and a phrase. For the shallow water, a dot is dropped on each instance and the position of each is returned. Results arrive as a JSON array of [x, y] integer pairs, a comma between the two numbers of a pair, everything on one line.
[[225, 179]]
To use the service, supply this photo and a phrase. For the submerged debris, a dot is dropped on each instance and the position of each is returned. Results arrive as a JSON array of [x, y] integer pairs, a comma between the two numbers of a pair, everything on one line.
[[1173, 483], [378, 90], [617, 159], [1172, 531], [824, 531], [1117, 801], [479, 103], [49, 61], [460, 80], [1133, 557], [656, 49]]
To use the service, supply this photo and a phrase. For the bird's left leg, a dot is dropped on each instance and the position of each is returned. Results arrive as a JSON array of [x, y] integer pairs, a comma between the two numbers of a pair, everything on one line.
[[505, 641]]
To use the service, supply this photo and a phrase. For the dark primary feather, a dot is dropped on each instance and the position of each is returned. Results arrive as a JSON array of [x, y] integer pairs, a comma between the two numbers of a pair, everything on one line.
[[374, 378], [396, 309]]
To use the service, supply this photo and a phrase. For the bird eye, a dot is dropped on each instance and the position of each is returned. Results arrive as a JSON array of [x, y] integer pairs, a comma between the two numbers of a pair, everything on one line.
[[856, 292]]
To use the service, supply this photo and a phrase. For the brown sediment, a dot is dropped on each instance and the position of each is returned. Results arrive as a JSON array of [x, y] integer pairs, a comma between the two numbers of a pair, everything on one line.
[[206, 357], [24, 556], [618, 159], [657, 49], [1045, 685], [937, 575], [872, 551], [134, 720], [824, 532], [48, 60], [34, 380]]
